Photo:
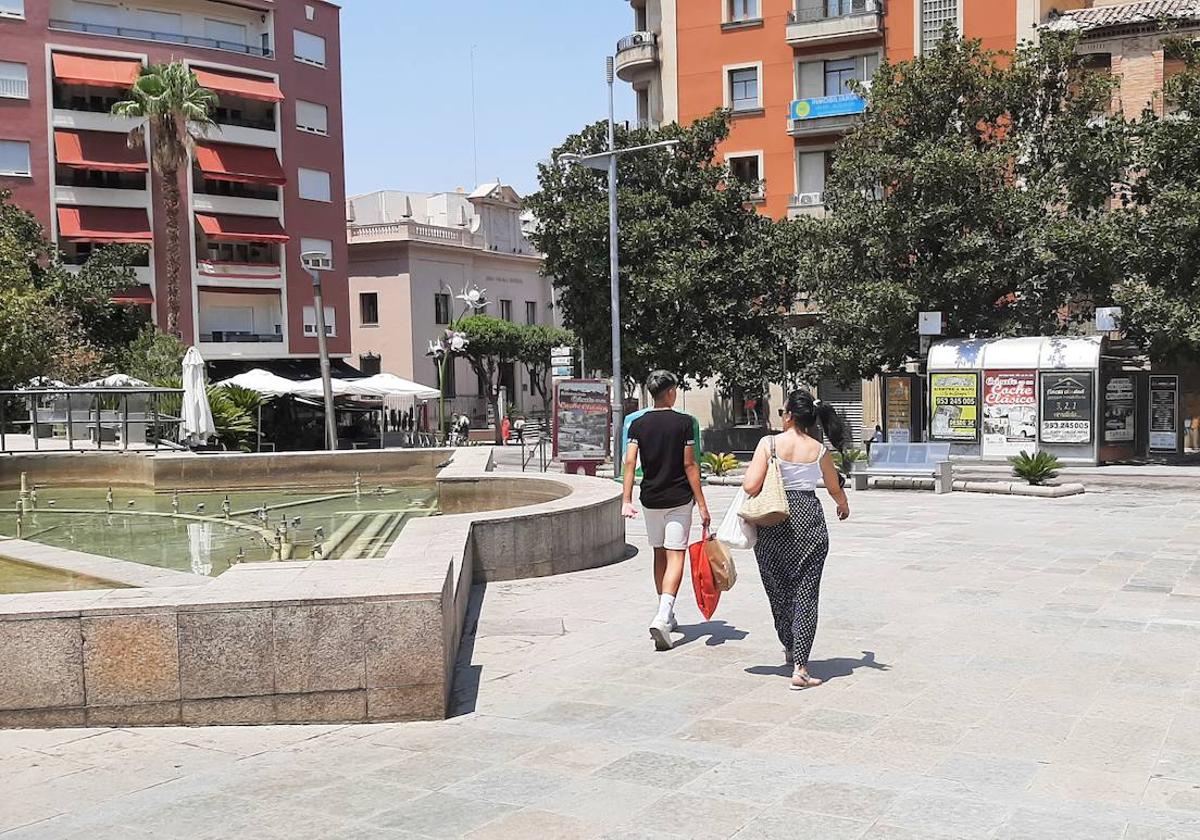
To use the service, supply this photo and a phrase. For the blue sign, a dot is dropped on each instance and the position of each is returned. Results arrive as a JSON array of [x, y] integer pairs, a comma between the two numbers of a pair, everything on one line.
[[827, 106]]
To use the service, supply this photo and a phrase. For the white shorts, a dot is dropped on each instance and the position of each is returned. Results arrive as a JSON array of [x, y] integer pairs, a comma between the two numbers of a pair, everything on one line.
[[669, 528]]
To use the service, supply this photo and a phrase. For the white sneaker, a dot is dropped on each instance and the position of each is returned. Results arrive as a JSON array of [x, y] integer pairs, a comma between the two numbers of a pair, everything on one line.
[[660, 632]]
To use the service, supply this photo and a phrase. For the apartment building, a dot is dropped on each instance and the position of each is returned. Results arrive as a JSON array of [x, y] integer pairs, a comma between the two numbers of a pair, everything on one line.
[[412, 254], [265, 185]]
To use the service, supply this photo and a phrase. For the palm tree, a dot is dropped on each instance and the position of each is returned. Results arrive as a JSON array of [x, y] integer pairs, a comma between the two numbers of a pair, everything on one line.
[[177, 110]]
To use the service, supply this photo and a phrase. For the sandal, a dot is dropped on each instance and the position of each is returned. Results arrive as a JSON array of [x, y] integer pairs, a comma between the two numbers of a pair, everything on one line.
[[801, 681]]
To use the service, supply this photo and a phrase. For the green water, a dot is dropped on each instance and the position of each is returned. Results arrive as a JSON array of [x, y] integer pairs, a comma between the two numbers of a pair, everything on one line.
[[18, 577], [301, 524]]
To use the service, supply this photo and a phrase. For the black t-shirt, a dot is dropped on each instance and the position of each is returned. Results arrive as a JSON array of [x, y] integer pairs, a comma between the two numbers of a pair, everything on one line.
[[662, 436]]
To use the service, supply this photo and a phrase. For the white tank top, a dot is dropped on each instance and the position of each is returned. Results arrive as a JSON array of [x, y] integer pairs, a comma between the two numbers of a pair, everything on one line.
[[802, 475]]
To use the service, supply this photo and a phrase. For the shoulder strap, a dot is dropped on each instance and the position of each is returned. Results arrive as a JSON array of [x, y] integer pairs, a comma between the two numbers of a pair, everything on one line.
[[771, 440]]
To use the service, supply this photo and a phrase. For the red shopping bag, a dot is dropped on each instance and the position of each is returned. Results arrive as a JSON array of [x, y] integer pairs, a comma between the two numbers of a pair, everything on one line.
[[703, 583]]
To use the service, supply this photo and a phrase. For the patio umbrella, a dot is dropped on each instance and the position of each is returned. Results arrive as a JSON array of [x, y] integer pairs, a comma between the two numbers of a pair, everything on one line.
[[264, 382], [119, 380], [196, 422]]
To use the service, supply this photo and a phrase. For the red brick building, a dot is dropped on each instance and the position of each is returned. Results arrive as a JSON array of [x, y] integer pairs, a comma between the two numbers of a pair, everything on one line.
[[265, 186]]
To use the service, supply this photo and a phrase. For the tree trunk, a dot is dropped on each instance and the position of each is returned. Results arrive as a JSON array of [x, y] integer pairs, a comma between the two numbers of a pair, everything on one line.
[[170, 183]]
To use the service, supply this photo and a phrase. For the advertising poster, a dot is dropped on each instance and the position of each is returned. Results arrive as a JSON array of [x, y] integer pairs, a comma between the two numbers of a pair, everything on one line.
[[954, 402], [898, 408], [582, 420], [1067, 408], [1119, 408], [1009, 412], [1164, 413]]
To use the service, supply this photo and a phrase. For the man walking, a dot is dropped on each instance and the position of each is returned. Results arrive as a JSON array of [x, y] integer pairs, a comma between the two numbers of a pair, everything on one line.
[[664, 440]]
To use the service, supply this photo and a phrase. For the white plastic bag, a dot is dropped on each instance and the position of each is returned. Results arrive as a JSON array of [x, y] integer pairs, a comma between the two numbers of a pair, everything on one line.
[[734, 531]]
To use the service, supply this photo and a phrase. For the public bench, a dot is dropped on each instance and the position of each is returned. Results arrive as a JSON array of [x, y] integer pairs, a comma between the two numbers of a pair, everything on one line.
[[909, 460]]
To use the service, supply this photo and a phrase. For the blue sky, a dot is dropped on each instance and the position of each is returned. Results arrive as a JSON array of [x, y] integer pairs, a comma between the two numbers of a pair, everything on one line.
[[539, 75]]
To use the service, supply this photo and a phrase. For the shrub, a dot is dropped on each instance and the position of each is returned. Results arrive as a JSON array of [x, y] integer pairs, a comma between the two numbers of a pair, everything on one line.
[[845, 462], [1037, 468], [719, 463]]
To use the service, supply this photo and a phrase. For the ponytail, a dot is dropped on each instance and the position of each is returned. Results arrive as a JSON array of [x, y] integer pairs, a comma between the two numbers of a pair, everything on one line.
[[834, 429], [814, 415]]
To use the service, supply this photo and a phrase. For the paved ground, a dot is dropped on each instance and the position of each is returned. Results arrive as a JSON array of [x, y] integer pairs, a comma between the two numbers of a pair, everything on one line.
[[998, 668]]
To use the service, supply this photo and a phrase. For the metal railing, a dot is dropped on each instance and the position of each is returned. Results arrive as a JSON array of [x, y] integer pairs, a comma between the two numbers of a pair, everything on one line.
[[810, 12], [92, 415], [231, 337], [161, 37], [637, 39], [14, 89], [807, 199]]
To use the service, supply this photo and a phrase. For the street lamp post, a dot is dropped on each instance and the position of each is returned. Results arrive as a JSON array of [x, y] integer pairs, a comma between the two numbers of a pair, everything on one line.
[[608, 161], [322, 347]]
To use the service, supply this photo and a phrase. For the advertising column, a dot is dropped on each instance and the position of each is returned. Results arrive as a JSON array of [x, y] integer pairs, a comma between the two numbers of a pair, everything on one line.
[[582, 424], [954, 407], [897, 408], [1067, 408], [1009, 413], [1164, 413]]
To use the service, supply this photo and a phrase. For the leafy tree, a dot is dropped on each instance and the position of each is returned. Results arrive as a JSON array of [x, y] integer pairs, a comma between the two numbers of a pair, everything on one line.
[[974, 186], [153, 356], [1161, 293], [697, 269], [491, 342], [176, 107], [533, 352]]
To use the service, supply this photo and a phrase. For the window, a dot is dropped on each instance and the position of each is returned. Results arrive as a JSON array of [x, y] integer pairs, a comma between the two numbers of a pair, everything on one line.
[[12, 8], [368, 308], [839, 74], [441, 308], [740, 10], [98, 14], [813, 169], [309, 12], [531, 312], [14, 80], [935, 14], [308, 48], [229, 33], [506, 310], [743, 89], [745, 168], [312, 117], [14, 158], [314, 185], [310, 321], [167, 23], [314, 247]]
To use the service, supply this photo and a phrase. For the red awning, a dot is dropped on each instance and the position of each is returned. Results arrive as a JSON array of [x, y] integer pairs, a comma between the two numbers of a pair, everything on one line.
[[104, 224], [101, 150], [95, 70], [250, 87], [241, 228], [243, 164], [140, 295]]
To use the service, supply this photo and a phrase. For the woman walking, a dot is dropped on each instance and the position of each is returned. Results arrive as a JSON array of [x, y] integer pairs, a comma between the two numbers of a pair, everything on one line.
[[791, 555]]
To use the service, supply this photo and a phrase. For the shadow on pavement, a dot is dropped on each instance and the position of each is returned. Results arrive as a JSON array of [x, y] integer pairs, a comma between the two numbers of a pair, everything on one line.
[[467, 676], [824, 669], [713, 632]]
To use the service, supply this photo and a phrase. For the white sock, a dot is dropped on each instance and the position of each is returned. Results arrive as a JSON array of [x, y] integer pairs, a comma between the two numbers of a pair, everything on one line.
[[666, 607]]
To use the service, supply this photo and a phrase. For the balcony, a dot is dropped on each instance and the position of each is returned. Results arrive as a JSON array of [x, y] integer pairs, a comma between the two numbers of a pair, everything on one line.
[[410, 231], [240, 322], [825, 114], [219, 270], [135, 34], [233, 205], [823, 22], [806, 204], [100, 196], [636, 54]]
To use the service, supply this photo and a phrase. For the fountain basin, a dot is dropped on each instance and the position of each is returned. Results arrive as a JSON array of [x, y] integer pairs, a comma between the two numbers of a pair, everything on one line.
[[300, 641]]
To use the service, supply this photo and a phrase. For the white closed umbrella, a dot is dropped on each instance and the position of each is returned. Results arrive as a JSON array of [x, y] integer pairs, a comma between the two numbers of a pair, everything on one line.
[[196, 421]]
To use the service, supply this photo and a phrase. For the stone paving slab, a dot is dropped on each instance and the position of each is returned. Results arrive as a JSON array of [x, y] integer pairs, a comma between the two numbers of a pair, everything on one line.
[[997, 668]]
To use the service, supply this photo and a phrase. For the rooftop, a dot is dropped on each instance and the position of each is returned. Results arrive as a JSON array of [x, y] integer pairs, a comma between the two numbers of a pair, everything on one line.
[[1129, 14]]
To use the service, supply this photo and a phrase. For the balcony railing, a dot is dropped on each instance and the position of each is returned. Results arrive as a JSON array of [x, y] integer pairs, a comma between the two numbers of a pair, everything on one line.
[[636, 52], [236, 337], [410, 230], [831, 9], [239, 270], [637, 39], [14, 89], [162, 37]]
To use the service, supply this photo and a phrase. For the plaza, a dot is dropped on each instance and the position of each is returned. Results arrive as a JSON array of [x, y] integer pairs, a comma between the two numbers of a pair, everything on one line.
[[996, 668]]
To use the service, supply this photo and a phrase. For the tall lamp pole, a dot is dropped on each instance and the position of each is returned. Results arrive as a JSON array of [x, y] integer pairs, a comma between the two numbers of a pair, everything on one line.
[[322, 347], [608, 161]]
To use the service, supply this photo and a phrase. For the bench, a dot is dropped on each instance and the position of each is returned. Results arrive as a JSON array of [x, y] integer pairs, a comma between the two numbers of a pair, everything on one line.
[[914, 460]]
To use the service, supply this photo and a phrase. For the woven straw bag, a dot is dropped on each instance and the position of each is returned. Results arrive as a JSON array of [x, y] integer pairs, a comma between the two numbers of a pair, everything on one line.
[[770, 506]]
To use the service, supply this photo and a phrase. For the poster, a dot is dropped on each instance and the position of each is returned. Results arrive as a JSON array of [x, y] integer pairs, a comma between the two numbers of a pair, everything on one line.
[[954, 401], [582, 418], [898, 408], [1164, 413], [1067, 408], [1009, 412], [1119, 402]]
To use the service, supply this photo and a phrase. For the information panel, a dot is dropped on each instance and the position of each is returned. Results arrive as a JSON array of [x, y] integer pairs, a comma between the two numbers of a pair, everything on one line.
[[582, 420], [1119, 409], [1164, 413], [1067, 407], [1009, 412], [954, 403], [898, 408]]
